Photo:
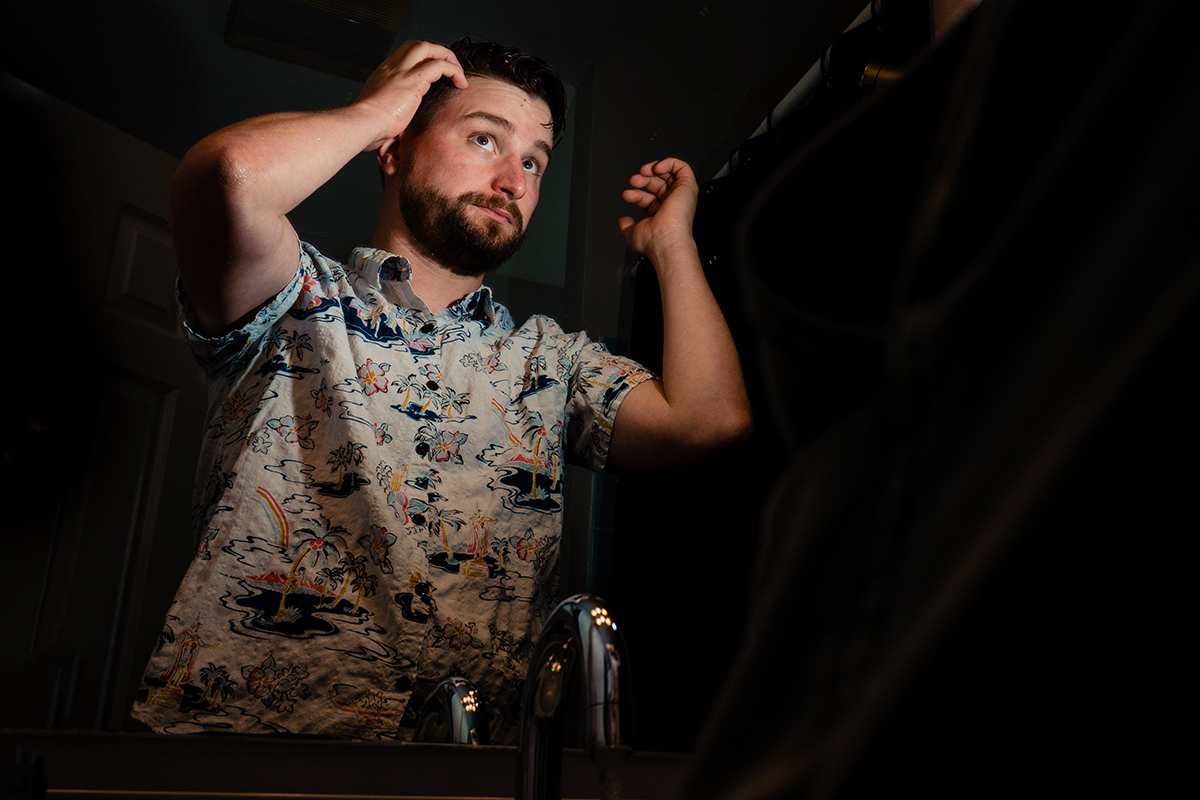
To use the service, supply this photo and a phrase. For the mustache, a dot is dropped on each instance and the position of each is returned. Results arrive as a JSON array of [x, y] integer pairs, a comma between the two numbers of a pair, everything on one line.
[[492, 201]]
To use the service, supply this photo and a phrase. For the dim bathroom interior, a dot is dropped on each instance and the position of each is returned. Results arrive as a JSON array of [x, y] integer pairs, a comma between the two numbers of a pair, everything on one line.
[[950, 238]]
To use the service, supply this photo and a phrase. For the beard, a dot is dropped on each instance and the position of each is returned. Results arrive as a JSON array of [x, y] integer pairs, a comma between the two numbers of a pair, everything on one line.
[[440, 228]]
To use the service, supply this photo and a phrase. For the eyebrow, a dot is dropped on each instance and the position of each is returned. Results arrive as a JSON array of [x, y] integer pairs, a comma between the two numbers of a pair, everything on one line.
[[501, 122]]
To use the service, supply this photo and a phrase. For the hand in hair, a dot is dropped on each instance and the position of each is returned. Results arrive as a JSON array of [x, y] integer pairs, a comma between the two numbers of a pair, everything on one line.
[[394, 90]]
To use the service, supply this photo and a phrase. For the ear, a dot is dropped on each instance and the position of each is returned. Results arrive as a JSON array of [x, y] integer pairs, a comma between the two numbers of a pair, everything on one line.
[[388, 156]]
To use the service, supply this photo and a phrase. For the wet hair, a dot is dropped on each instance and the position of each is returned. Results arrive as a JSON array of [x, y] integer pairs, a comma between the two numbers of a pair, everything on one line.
[[503, 63]]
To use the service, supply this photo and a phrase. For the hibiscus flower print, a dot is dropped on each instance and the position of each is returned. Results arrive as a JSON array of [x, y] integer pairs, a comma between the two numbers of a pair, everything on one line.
[[236, 408], [459, 635], [276, 688], [377, 543], [321, 399], [373, 377], [433, 375], [527, 548], [295, 430], [446, 446], [382, 436], [261, 442]]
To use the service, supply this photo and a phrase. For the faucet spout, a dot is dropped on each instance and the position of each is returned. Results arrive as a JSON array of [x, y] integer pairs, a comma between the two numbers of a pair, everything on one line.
[[582, 632]]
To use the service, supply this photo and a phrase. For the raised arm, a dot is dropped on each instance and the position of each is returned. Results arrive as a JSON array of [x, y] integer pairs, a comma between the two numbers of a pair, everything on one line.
[[701, 404], [234, 245]]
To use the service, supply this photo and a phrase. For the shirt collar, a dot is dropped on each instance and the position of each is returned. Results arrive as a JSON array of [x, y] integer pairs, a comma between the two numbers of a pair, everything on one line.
[[380, 268]]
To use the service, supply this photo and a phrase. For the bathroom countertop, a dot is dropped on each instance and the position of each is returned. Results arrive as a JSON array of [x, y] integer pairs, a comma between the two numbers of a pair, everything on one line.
[[148, 766]]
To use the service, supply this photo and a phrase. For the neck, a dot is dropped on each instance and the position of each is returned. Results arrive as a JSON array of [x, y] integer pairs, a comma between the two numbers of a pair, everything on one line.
[[438, 286]]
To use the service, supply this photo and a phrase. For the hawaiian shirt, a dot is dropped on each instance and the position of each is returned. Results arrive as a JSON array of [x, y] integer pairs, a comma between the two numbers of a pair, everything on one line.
[[378, 506]]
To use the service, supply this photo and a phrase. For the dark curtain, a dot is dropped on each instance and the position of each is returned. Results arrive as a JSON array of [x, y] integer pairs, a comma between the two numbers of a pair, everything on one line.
[[975, 307]]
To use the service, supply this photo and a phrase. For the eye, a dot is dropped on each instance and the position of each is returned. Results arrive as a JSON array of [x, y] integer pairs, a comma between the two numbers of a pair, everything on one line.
[[532, 166], [483, 140]]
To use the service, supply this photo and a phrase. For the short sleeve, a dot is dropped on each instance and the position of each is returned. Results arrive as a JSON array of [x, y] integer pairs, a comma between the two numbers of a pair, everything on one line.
[[600, 381], [219, 354]]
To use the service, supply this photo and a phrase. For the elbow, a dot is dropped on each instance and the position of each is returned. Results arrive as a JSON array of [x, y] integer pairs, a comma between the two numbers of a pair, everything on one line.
[[739, 426], [215, 172], [724, 429]]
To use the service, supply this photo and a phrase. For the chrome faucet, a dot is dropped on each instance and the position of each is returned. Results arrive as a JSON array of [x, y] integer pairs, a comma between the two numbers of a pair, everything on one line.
[[454, 714], [580, 631]]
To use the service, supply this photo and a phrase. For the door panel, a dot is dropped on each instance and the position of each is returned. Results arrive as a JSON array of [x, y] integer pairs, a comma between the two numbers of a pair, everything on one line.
[[107, 421]]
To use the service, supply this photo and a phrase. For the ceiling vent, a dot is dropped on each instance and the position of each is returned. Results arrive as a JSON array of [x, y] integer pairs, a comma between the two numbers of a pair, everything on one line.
[[345, 37]]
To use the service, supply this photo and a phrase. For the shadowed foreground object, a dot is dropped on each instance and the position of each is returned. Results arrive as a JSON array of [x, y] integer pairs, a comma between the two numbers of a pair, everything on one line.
[[969, 581]]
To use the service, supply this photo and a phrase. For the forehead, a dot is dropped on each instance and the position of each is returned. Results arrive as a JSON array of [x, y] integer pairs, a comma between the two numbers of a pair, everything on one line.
[[527, 114]]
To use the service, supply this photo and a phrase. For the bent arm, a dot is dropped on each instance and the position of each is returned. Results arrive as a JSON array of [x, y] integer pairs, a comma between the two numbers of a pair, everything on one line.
[[230, 196], [235, 247], [700, 406]]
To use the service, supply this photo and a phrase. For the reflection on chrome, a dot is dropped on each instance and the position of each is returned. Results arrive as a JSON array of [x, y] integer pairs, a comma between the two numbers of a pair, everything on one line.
[[454, 714], [600, 615], [580, 632]]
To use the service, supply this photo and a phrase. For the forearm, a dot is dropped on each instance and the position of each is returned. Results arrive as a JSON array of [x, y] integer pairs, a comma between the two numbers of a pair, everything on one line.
[[234, 245], [701, 404], [702, 376], [264, 167]]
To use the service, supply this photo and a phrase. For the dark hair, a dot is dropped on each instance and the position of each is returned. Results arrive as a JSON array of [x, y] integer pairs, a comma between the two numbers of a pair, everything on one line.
[[504, 63]]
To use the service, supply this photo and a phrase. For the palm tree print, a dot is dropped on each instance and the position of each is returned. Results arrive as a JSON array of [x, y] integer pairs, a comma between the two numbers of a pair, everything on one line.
[[455, 403], [418, 396], [499, 548], [294, 344], [441, 518], [365, 584], [323, 540], [217, 684], [345, 458], [328, 576], [355, 566]]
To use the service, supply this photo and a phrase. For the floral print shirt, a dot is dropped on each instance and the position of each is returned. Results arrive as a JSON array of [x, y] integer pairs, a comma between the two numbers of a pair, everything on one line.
[[378, 506]]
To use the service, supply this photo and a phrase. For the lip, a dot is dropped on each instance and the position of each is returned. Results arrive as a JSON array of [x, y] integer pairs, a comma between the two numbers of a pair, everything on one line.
[[496, 214]]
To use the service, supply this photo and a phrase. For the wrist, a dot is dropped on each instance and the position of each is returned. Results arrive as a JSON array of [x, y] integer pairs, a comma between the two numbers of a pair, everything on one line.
[[668, 251], [373, 122]]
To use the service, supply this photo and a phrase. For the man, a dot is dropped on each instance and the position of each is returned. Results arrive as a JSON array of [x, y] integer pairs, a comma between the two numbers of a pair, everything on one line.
[[382, 505]]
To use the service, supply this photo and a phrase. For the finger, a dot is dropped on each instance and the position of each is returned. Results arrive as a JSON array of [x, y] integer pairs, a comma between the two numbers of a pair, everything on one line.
[[643, 200], [627, 225], [648, 169], [657, 185], [416, 55], [670, 166], [672, 171], [433, 69], [652, 184], [664, 169], [413, 52]]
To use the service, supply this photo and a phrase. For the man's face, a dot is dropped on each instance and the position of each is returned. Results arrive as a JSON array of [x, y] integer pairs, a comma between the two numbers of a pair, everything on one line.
[[470, 181]]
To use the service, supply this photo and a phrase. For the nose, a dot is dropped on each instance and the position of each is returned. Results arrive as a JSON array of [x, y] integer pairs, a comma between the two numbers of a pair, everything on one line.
[[510, 178]]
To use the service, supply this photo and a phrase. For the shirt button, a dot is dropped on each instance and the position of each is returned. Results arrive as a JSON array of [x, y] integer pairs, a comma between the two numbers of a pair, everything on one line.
[[429, 327]]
